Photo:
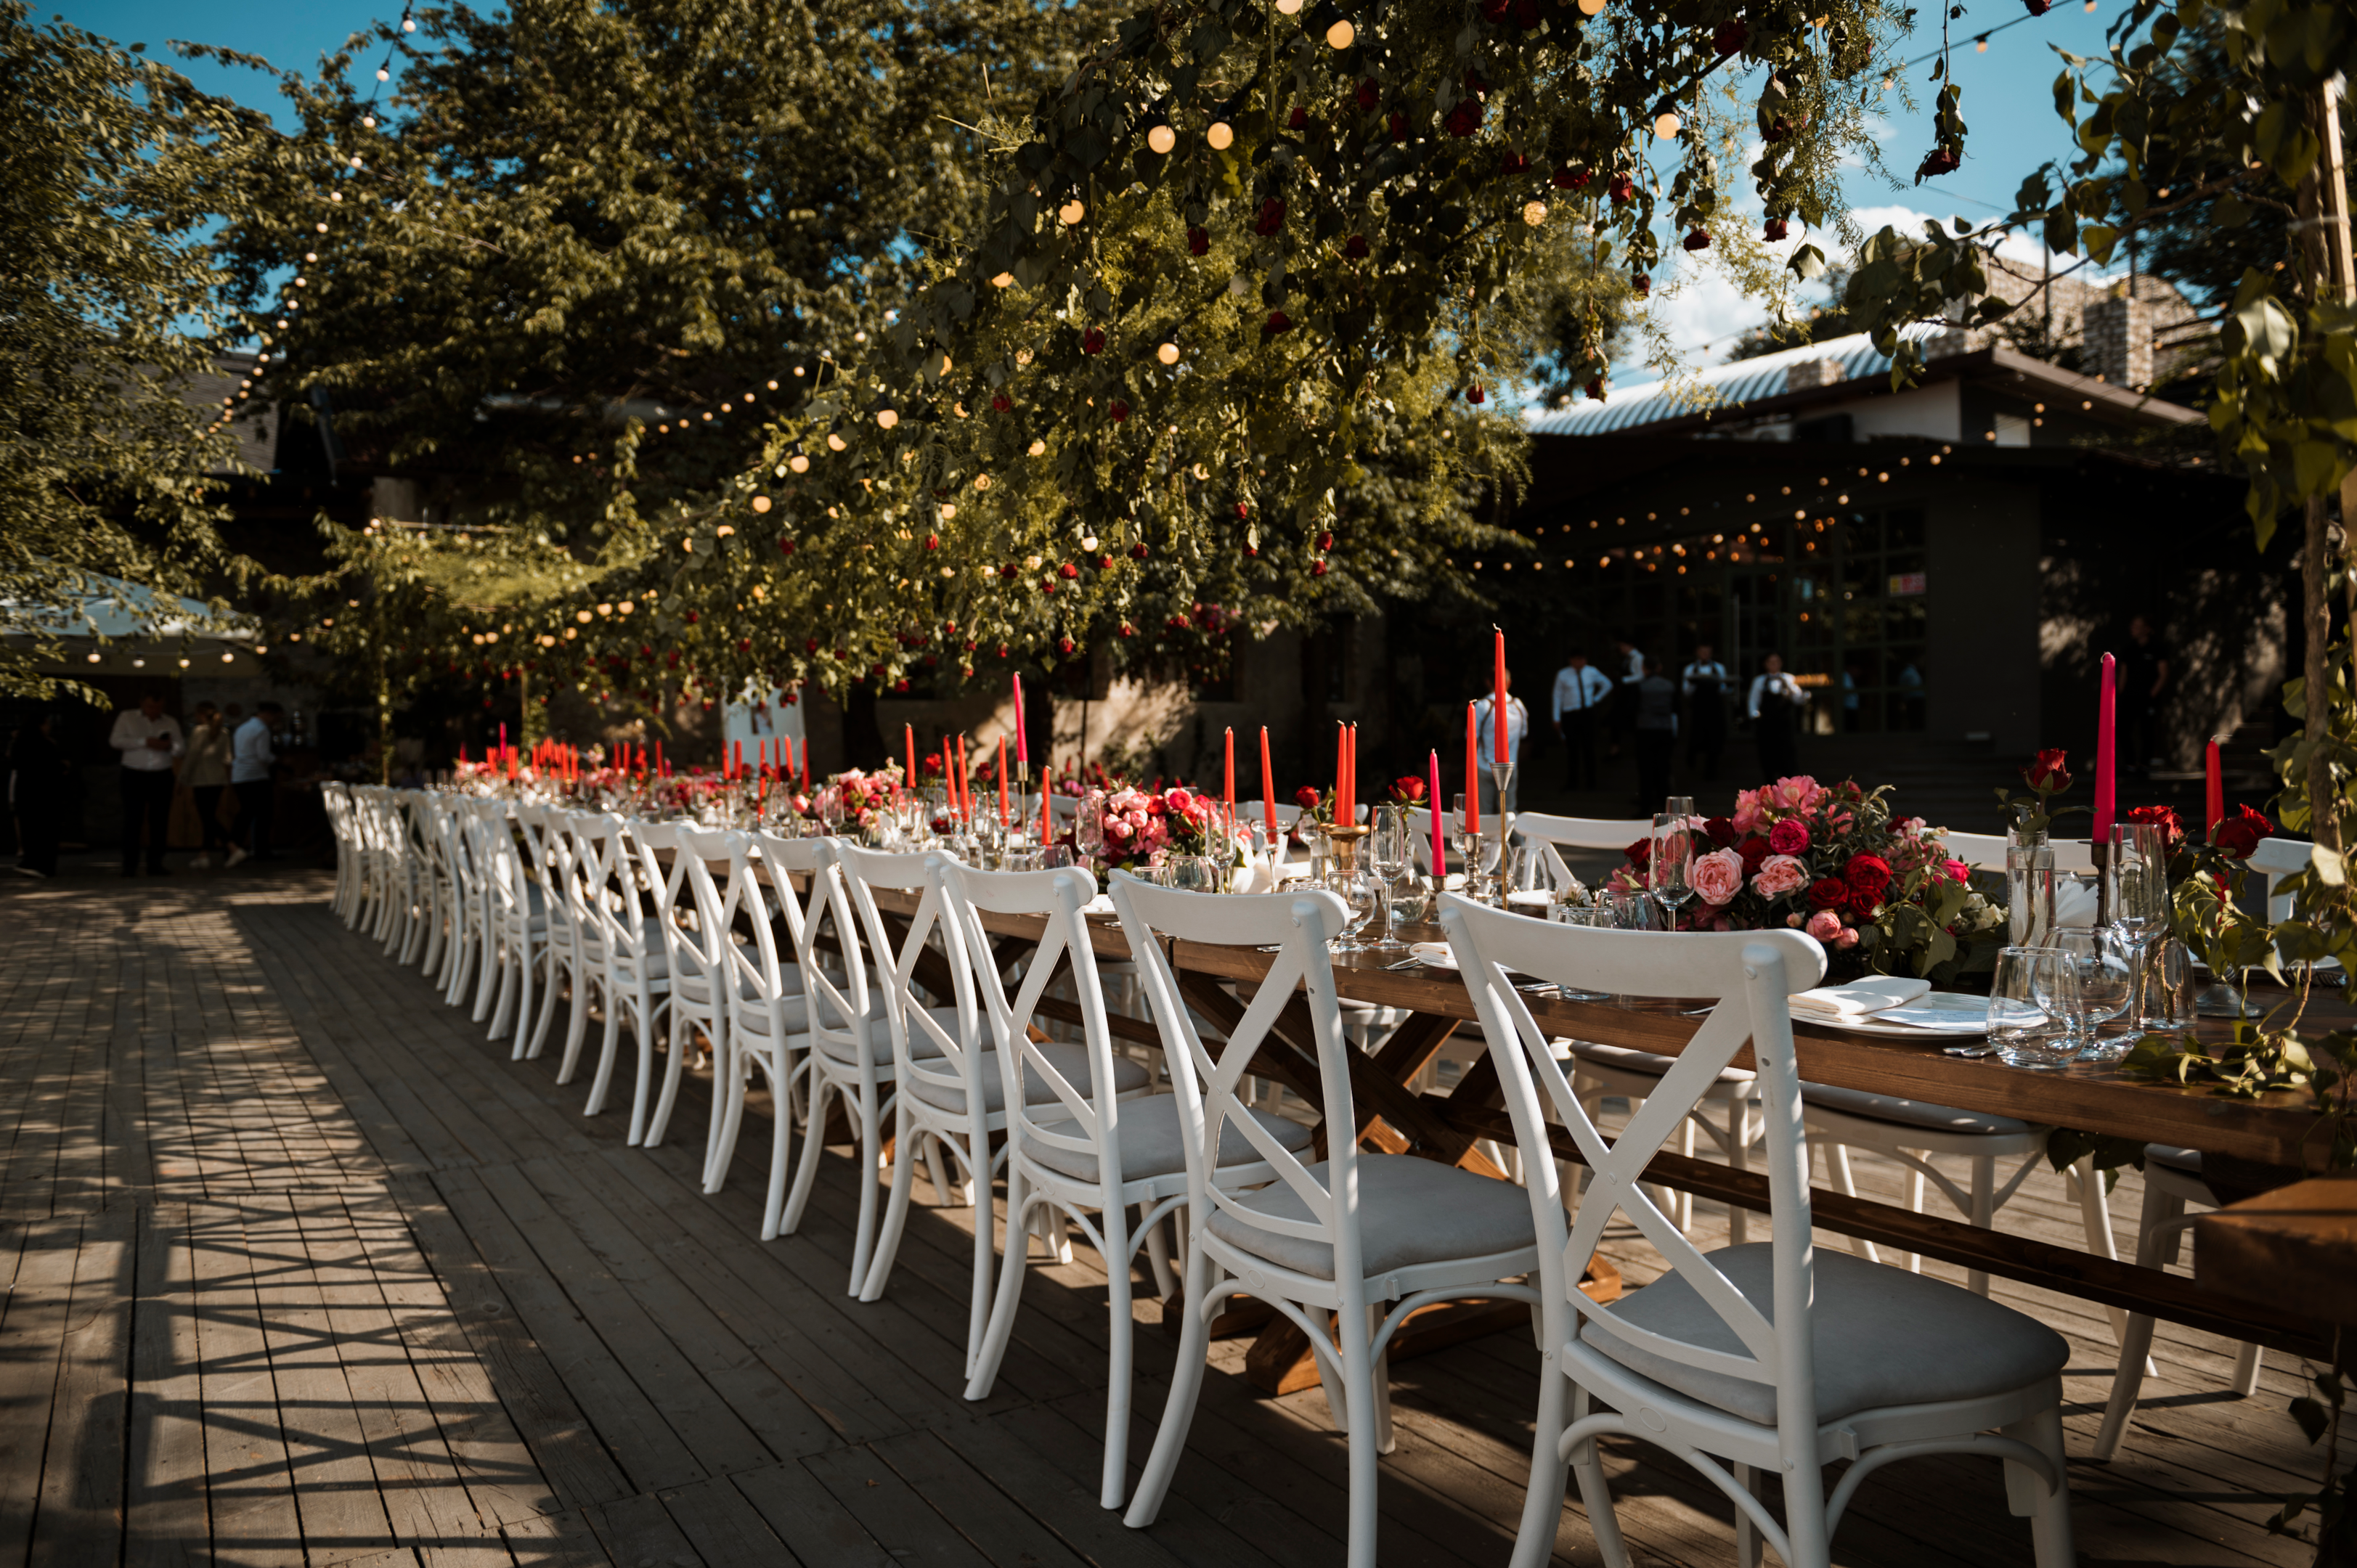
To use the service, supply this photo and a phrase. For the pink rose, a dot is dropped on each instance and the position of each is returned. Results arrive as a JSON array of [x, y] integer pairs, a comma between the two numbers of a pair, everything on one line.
[[1824, 925], [1957, 871], [1176, 799], [1746, 811], [1779, 874], [1789, 837], [1848, 938], [1717, 876]]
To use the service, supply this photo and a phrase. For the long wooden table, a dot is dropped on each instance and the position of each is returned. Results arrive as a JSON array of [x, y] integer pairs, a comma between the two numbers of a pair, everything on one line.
[[2272, 1130]]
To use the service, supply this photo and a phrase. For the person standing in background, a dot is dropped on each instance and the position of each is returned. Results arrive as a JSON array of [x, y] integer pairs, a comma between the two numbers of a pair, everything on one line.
[[1775, 708], [1518, 727], [1581, 691], [1657, 737], [1631, 661], [204, 774], [147, 739], [251, 757], [1704, 685], [40, 787], [2144, 680]]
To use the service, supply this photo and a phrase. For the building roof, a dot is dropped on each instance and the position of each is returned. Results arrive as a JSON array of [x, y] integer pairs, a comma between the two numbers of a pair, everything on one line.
[[1852, 368]]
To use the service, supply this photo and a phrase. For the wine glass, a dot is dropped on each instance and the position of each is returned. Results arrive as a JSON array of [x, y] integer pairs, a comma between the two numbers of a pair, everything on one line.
[[2137, 882], [1673, 862], [1087, 825], [2100, 966], [2026, 1031], [1391, 853]]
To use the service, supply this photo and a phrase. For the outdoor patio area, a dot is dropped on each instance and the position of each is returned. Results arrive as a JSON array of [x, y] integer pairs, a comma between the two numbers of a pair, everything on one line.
[[306, 1270]]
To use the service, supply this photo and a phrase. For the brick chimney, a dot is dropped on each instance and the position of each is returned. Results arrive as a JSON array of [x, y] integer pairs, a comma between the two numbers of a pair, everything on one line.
[[2119, 340]]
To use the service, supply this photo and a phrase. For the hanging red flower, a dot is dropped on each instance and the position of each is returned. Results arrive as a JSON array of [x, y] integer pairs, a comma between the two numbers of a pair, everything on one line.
[[1118, 410], [1278, 321], [1697, 240], [1198, 240], [1092, 341], [1776, 230], [1354, 249], [1001, 403], [1272, 218], [1369, 95], [1465, 119], [1622, 189], [1730, 37]]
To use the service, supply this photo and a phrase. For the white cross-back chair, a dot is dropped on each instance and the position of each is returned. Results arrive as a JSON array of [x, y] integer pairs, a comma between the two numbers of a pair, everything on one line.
[[622, 942], [1346, 1235], [1089, 1147], [692, 959], [337, 799], [449, 949], [851, 1057], [2172, 1178], [518, 933], [483, 826], [767, 1024], [545, 845], [1554, 834], [1767, 1356]]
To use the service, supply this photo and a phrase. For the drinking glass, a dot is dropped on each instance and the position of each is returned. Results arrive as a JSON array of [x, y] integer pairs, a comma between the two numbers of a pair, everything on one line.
[[2103, 962], [1389, 851], [1087, 825], [2025, 1033], [1679, 806], [1356, 888], [1673, 860], [2137, 882], [1525, 890], [1407, 902], [1592, 917], [1636, 910], [1196, 873], [2029, 892]]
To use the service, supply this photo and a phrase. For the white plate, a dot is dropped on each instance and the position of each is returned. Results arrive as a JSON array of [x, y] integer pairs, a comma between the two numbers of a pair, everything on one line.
[[1940, 1012]]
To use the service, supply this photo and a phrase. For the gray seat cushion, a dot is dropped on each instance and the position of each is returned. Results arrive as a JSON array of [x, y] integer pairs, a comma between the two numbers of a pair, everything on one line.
[[1071, 1060], [694, 987], [2176, 1159], [1881, 1337], [1151, 1144], [880, 1033], [1625, 1058], [1411, 1211], [1907, 1113]]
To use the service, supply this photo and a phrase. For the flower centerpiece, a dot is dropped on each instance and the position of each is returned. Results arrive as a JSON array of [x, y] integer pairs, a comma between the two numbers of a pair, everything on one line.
[[1142, 826], [1882, 892]]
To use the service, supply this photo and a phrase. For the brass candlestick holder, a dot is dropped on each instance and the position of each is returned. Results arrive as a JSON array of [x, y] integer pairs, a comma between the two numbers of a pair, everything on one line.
[[1342, 842]]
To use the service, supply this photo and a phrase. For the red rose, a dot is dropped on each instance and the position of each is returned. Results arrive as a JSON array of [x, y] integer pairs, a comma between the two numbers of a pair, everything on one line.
[[2172, 830], [2239, 834], [1307, 798], [1410, 788], [1828, 893], [2048, 773], [1868, 876], [1755, 852], [1720, 830], [1641, 854], [1093, 341]]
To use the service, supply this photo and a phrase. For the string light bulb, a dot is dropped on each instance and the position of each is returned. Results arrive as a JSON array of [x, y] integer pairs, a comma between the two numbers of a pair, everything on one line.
[[1168, 353], [1003, 280], [834, 443], [1590, 7], [1288, 7], [1341, 34], [1665, 121], [799, 463], [408, 25], [1162, 138], [382, 74], [1071, 213], [1221, 136], [1535, 213]]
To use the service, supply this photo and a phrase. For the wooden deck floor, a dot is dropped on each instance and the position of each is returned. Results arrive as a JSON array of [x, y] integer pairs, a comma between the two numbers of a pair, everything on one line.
[[305, 1272]]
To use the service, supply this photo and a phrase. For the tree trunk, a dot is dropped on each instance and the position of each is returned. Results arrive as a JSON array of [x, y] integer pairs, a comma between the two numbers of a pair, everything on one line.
[[2331, 275], [2315, 610]]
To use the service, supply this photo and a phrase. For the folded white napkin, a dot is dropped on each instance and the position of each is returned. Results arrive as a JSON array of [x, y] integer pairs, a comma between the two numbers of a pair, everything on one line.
[[1859, 998], [1433, 955], [1254, 876], [2074, 903]]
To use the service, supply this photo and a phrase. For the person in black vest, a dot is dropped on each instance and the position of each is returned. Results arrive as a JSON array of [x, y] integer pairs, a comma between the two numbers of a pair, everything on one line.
[[1657, 737], [1775, 708], [2144, 682], [1704, 685]]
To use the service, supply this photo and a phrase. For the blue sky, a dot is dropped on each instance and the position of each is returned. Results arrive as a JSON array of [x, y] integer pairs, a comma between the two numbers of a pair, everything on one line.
[[2008, 105]]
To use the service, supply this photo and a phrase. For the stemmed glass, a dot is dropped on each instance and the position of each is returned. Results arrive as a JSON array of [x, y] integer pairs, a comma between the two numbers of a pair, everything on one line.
[[1087, 825], [1671, 868], [2138, 878], [1391, 853]]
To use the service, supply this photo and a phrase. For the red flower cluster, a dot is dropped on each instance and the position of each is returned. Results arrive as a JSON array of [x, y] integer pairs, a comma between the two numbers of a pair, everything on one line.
[[2172, 829], [2048, 775], [2239, 834]]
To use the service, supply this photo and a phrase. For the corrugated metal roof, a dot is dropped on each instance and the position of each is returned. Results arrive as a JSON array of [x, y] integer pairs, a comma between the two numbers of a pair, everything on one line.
[[1745, 381]]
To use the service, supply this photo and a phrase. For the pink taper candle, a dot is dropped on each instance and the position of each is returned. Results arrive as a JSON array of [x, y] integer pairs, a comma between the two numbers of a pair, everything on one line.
[[2213, 795], [1498, 703], [2105, 796], [1267, 788], [1432, 800]]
